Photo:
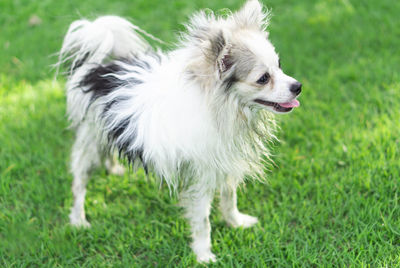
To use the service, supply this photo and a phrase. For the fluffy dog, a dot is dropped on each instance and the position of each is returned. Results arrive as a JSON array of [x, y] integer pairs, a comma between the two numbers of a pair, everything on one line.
[[199, 116]]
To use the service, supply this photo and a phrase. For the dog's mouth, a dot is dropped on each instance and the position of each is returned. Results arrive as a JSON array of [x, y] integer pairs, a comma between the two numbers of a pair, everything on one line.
[[280, 107]]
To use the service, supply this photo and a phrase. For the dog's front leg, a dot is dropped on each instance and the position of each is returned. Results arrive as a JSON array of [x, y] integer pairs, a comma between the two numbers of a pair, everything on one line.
[[229, 210], [197, 204]]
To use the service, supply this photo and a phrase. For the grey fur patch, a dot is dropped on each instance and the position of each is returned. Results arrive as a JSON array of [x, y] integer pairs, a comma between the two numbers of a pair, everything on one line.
[[244, 61]]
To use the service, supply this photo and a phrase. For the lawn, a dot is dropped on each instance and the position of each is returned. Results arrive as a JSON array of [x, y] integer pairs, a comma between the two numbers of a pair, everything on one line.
[[331, 198]]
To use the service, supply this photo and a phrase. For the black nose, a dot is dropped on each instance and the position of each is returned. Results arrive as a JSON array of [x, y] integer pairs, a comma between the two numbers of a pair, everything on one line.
[[296, 88]]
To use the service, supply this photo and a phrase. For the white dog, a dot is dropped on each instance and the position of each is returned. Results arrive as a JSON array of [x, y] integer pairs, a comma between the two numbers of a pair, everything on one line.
[[198, 116]]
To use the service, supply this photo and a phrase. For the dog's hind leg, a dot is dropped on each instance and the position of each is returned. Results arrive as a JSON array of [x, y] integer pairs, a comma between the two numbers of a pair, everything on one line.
[[229, 210], [85, 156]]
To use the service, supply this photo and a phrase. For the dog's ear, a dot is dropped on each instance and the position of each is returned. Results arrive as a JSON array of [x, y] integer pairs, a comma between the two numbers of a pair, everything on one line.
[[215, 56], [251, 15], [221, 51]]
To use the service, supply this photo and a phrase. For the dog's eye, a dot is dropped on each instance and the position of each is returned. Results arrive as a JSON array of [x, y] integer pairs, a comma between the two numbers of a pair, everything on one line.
[[264, 79]]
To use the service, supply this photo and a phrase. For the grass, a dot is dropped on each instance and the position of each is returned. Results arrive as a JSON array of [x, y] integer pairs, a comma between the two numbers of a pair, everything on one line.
[[331, 200]]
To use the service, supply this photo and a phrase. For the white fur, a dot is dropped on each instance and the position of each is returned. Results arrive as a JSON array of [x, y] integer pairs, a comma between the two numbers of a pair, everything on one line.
[[187, 128]]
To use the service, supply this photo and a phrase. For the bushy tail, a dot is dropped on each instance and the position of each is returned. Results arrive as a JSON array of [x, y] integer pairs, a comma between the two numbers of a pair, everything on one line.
[[105, 38]]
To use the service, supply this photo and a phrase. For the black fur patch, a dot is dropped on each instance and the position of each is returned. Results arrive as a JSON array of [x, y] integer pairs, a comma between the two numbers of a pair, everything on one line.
[[79, 63], [122, 146], [101, 82], [230, 81]]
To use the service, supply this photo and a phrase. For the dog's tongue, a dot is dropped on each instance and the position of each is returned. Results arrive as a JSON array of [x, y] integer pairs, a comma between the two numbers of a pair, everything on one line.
[[292, 104]]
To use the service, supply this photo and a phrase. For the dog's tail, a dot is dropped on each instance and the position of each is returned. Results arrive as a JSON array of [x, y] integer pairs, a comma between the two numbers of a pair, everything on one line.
[[106, 38]]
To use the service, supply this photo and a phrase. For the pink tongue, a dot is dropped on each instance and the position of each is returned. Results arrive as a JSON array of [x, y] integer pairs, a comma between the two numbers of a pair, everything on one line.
[[293, 103]]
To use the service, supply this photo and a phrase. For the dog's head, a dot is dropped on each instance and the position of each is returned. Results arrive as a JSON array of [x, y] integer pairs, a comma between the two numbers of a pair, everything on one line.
[[238, 57]]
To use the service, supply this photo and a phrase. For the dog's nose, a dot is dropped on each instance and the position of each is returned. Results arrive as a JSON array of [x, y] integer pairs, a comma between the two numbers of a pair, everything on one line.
[[296, 88]]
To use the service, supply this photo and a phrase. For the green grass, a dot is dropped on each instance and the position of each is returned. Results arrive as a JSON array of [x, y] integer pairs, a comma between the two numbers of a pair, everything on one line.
[[332, 199]]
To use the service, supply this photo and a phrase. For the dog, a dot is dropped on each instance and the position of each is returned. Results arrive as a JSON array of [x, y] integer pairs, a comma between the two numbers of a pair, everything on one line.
[[200, 116]]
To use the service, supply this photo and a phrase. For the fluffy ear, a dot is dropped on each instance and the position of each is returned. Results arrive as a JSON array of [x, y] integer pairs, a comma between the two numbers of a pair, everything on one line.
[[251, 15], [205, 31], [221, 51]]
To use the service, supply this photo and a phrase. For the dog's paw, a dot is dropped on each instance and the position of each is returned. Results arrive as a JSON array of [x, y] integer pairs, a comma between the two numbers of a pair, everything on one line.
[[206, 257], [117, 169], [242, 220], [78, 222], [202, 248]]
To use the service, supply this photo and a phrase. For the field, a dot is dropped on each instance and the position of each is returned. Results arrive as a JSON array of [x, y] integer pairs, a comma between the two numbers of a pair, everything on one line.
[[331, 198]]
